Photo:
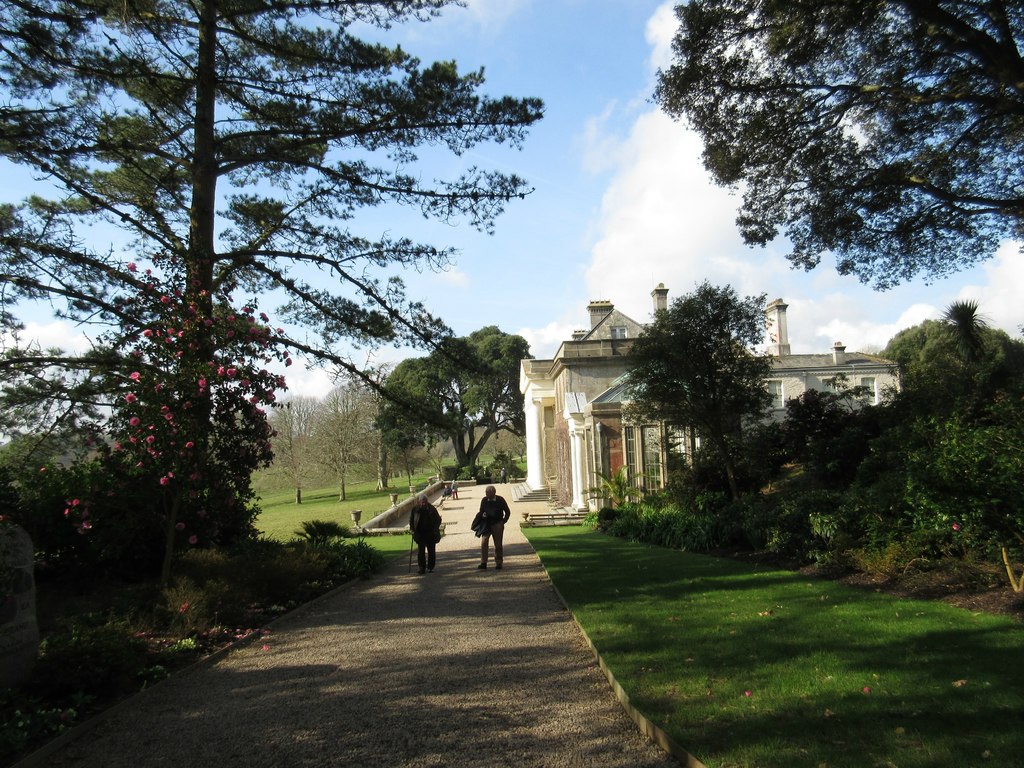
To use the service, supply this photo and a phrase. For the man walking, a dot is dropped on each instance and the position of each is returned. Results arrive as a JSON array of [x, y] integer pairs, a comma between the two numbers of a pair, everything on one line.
[[494, 513], [425, 524]]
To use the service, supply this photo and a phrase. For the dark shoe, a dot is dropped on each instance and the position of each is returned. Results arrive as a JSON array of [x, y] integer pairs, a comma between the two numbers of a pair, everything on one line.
[[430, 570], [481, 567], [421, 572], [497, 567]]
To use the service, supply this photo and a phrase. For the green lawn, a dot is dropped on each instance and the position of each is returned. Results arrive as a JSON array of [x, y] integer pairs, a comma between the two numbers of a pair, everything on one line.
[[748, 666], [281, 517]]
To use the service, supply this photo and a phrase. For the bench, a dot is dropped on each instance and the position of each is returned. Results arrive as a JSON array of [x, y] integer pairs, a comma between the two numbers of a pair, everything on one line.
[[552, 518]]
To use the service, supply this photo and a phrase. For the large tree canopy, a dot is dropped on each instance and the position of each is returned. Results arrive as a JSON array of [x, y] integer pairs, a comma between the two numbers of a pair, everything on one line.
[[888, 133], [232, 144], [466, 392], [693, 367]]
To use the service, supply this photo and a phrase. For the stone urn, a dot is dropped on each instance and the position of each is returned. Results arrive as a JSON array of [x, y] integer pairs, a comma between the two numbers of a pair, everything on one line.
[[357, 515], [394, 499]]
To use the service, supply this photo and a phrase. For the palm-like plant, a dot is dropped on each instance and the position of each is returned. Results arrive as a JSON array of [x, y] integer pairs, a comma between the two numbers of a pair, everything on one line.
[[617, 488], [967, 328], [320, 533]]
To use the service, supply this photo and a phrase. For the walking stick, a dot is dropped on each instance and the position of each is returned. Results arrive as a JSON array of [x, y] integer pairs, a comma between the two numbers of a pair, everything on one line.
[[411, 542]]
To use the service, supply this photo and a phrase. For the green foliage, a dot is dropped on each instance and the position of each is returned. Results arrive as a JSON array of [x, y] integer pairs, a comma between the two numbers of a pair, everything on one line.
[[700, 527], [91, 516], [25, 720], [466, 391], [92, 655], [830, 433], [616, 488], [693, 367], [318, 533], [880, 132]]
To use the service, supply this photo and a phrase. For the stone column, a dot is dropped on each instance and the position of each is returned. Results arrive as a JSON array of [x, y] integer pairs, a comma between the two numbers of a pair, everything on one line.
[[534, 444]]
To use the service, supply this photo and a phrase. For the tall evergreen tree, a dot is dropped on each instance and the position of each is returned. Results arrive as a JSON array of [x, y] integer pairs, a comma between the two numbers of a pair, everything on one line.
[[195, 156]]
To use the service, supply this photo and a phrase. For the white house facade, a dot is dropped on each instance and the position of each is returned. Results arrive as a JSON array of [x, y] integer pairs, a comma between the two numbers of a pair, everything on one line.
[[574, 402]]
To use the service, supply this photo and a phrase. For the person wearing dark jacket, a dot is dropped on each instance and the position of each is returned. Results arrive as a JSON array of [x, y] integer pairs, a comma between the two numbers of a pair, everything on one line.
[[490, 521], [425, 524]]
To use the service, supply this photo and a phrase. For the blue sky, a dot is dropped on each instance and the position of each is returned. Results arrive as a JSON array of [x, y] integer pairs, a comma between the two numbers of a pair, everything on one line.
[[621, 200]]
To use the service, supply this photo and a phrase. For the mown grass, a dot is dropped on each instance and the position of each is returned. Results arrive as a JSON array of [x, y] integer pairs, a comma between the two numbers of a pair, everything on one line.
[[281, 517], [751, 666]]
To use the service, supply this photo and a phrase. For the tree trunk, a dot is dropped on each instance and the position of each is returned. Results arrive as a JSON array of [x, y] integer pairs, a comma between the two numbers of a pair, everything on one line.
[[382, 466], [342, 496], [170, 533], [298, 495]]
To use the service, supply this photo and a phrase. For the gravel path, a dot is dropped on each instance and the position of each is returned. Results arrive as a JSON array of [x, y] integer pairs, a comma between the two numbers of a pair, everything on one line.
[[455, 668]]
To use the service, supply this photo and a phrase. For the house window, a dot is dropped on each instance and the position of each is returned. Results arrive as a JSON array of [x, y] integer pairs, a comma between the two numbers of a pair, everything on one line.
[[619, 332], [630, 452], [870, 391], [677, 440], [652, 458], [778, 396]]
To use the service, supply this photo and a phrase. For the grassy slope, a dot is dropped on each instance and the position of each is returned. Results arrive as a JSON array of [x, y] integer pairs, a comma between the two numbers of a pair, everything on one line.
[[282, 517], [746, 666]]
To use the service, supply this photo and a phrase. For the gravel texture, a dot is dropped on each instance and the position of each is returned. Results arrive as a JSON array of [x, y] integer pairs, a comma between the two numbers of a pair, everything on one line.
[[459, 667]]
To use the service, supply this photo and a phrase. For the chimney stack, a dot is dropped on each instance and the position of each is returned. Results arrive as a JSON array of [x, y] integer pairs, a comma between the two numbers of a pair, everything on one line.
[[598, 311], [578, 334], [839, 353], [778, 333], [660, 296]]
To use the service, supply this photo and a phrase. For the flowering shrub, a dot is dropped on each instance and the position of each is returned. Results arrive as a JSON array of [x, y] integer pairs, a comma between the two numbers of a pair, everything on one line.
[[188, 425]]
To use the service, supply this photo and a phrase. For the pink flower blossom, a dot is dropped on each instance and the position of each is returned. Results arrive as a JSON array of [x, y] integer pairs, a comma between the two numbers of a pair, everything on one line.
[[165, 480], [193, 539], [956, 526], [132, 267], [183, 608], [150, 440], [135, 421], [130, 397], [135, 376], [180, 526], [232, 371], [148, 333], [190, 445]]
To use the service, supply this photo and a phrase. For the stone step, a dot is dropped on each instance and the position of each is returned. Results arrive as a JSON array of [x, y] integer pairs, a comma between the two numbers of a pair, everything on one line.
[[523, 492]]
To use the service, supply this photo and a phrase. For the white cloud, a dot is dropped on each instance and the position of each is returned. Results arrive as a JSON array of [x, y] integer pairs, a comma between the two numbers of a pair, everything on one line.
[[454, 277], [999, 300], [544, 342], [57, 334], [661, 28]]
